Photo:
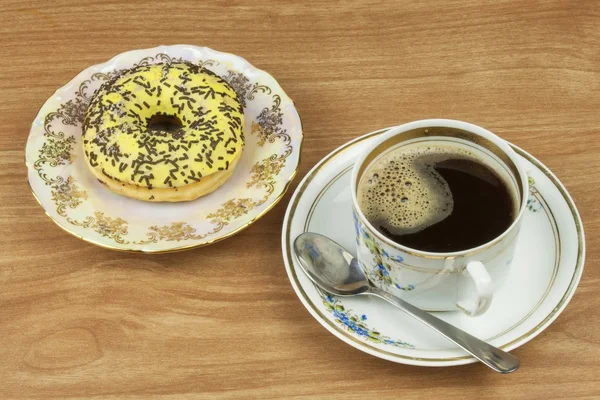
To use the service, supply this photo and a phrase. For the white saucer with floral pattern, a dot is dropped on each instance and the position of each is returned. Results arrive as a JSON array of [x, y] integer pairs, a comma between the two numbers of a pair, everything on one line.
[[547, 268], [71, 196]]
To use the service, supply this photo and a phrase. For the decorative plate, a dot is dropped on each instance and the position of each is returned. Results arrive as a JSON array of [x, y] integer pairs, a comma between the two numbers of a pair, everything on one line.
[[71, 197], [545, 272]]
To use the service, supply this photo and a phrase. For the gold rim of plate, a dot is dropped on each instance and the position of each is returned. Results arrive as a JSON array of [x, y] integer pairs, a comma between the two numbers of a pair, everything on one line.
[[160, 51]]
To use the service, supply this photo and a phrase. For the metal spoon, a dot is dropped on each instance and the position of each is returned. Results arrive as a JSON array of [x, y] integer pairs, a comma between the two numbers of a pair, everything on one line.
[[336, 271]]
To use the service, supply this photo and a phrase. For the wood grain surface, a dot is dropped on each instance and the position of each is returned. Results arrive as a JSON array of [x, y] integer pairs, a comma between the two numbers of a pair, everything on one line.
[[78, 321]]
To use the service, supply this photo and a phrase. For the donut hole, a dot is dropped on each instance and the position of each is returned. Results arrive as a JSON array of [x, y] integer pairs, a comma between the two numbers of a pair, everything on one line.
[[164, 123]]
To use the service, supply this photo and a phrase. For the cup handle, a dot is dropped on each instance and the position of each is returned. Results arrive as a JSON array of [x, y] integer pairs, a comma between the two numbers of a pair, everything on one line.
[[477, 303]]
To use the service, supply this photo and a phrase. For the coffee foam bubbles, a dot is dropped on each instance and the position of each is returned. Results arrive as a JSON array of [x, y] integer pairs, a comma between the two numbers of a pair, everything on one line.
[[402, 192]]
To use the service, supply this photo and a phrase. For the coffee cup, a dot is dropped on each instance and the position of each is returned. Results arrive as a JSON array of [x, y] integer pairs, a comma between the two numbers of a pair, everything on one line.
[[421, 233]]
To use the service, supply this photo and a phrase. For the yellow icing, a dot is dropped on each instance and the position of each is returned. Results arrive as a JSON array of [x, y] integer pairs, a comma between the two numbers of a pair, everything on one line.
[[118, 142]]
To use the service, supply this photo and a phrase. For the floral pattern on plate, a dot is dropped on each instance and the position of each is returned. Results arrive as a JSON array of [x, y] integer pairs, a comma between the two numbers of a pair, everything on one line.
[[353, 323]]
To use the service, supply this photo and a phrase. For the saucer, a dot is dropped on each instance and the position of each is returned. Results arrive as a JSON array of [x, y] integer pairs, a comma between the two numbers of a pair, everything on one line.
[[78, 203], [545, 273]]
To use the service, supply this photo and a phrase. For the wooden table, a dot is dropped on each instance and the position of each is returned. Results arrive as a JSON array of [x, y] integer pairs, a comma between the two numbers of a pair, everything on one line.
[[78, 321]]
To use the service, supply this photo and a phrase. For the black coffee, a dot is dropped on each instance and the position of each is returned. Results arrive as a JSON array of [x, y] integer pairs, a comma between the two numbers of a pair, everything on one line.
[[439, 198]]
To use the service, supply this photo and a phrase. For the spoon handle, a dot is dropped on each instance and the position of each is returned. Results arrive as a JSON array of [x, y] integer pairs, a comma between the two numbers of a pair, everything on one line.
[[493, 357]]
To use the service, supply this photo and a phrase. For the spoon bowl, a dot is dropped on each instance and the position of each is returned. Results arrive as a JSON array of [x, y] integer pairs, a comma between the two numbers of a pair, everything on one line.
[[323, 259]]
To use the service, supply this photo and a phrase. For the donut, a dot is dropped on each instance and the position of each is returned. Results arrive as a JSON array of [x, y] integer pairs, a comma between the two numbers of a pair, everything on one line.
[[164, 132]]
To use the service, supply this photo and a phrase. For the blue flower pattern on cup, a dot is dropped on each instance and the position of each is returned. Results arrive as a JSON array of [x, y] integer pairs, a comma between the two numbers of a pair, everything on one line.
[[352, 323], [533, 204], [381, 272]]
